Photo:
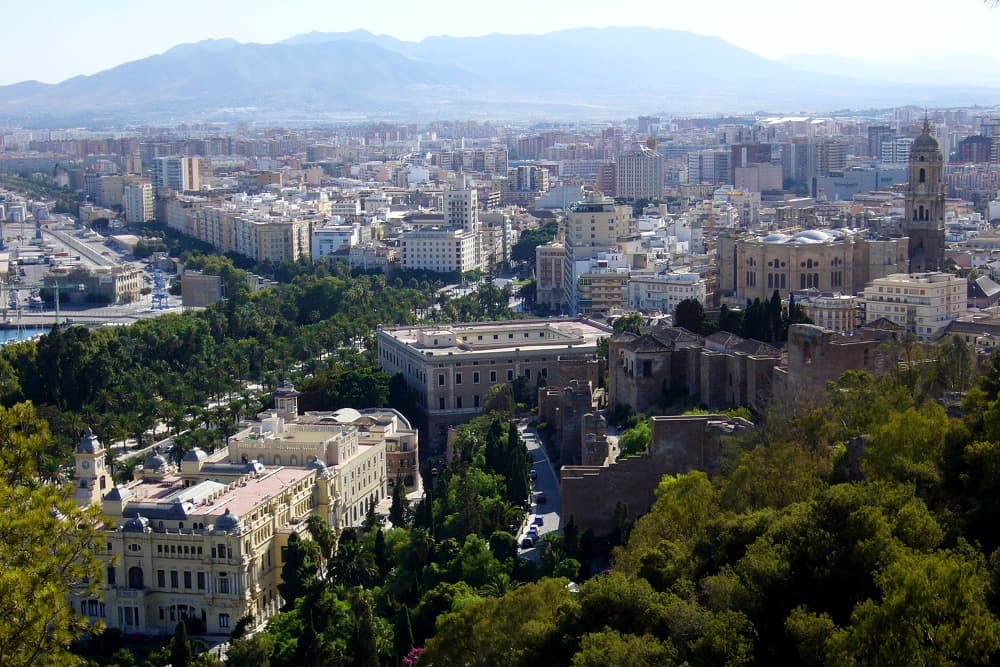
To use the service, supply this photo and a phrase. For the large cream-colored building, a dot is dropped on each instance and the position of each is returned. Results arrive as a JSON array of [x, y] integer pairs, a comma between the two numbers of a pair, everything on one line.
[[441, 249], [202, 542], [661, 292], [827, 260], [452, 369], [923, 303], [278, 438], [278, 241]]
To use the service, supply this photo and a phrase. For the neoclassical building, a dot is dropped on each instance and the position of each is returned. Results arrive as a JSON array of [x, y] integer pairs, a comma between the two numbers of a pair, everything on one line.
[[202, 541]]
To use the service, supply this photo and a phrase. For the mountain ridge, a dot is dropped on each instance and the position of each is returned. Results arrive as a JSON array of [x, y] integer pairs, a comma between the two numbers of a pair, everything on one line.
[[584, 72]]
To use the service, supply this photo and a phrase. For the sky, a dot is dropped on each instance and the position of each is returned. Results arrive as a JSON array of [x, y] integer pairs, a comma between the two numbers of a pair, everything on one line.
[[52, 40]]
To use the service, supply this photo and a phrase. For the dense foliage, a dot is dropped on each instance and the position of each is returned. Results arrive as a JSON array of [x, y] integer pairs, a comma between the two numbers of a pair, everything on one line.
[[46, 549], [376, 594], [802, 550]]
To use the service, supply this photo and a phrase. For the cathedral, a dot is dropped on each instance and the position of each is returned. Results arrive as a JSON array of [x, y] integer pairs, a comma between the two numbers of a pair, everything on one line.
[[924, 223]]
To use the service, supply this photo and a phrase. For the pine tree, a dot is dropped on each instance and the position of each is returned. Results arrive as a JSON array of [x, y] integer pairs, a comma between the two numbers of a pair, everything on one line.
[[381, 557], [181, 654], [400, 505]]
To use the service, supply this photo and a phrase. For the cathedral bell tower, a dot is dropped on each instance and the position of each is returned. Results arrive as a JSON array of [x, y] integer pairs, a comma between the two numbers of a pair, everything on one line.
[[924, 223]]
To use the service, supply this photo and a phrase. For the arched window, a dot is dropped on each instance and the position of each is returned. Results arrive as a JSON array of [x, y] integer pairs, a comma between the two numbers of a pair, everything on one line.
[[135, 577], [923, 175], [277, 460], [293, 461]]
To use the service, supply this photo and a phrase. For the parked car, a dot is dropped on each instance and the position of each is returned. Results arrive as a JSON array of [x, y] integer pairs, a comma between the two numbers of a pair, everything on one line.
[[541, 499], [539, 521], [533, 474], [527, 542]]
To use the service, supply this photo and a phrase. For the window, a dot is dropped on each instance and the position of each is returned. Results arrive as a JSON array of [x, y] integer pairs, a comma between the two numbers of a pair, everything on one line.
[[174, 581], [223, 583], [223, 620], [475, 378], [493, 377], [510, 375], [475, 401], [458, 402], [458, 378], [187, 579], [135, 577], [133, 547], [161, 579], [441, 403], [111, 576], [201, 581], [441, 379]]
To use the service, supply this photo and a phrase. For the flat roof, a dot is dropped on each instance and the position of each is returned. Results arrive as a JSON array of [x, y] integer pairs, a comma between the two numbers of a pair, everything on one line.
[[559, 335], [211, 498]]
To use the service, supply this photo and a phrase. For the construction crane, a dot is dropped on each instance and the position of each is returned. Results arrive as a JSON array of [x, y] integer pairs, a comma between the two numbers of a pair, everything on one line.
[[11, 299]]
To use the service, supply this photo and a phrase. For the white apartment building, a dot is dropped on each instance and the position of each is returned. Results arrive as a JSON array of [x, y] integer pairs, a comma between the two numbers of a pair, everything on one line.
[[661, 292], [346, 208], [441, 250], [923, 303], [330, 238], [461, 209], [137, 200]]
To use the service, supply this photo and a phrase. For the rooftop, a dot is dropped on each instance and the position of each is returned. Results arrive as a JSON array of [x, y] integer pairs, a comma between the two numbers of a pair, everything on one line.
[[497, 337]]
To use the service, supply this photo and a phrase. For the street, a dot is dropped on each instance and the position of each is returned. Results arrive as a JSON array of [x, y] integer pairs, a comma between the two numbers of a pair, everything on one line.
[[547, 484]]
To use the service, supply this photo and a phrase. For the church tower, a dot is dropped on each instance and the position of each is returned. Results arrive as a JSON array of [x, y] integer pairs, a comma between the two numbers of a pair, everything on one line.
[[91, 475], [924, 223]]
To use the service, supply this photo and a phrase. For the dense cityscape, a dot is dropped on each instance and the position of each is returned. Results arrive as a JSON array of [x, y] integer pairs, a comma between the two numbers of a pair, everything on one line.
[[369, 388]]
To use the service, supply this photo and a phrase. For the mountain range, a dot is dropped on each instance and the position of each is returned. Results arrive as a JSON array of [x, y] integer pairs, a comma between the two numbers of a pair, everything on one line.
[[583, 73]]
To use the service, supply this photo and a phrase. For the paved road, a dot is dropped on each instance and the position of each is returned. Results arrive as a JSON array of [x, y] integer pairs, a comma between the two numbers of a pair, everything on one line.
[[547, 482]]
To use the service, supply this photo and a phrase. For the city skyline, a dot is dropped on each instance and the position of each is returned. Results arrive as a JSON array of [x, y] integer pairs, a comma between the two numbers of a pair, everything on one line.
[[59, 40]]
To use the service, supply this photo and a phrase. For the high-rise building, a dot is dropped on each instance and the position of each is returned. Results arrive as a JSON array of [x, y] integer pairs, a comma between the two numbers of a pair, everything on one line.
[[181, 174], [742, 155], [592, 226], [709, 167], [137, 200], [924, 204], [607, 179], [977, 148], [639, 173], [461, 209], [877, 134]]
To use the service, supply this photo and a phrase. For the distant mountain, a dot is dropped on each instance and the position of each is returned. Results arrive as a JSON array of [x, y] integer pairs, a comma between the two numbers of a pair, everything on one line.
[[935, 70], [598, 73]]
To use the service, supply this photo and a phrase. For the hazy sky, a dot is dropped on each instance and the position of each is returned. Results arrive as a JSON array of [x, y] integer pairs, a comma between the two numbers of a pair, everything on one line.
[[51, 40]]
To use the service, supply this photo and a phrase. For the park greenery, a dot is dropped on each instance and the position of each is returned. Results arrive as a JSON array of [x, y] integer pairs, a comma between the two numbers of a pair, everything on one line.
[[198, 373]]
